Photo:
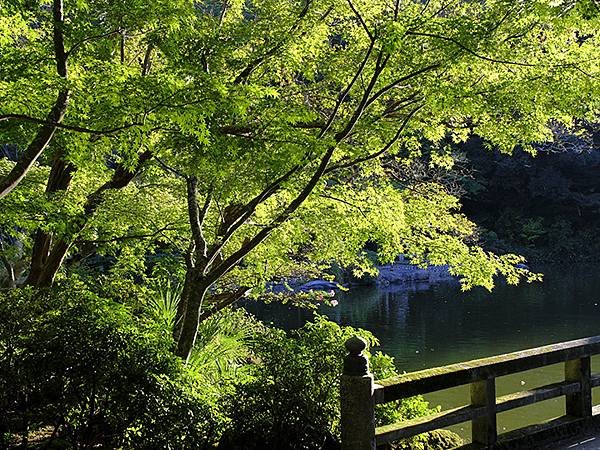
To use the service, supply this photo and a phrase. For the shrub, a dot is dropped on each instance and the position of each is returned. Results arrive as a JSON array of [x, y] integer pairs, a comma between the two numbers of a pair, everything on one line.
[[81, 371], [291, 400], [97, 375]]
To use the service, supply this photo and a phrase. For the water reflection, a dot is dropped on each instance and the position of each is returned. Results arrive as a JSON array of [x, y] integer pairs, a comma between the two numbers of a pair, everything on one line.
[[424, 326]]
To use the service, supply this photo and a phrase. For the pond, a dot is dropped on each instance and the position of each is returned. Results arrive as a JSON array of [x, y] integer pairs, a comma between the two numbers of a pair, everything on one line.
[[425, 326]]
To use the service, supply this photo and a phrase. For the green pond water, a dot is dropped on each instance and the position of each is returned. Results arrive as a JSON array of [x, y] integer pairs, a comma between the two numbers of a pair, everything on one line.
[[425, 326]]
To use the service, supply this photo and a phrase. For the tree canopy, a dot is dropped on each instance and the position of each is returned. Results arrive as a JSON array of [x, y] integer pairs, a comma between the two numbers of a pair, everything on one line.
[[254, 140]]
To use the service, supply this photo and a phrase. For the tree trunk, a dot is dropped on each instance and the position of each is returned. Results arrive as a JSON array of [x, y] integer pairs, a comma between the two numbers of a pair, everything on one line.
[[47, 262], [43, 277], [182, 306], [39, 254], [59, 179], [53, 263], [193, 300]]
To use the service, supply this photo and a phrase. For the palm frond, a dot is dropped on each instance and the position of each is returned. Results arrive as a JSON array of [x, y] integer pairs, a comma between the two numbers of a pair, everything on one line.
[[163, 305], [222, 344]]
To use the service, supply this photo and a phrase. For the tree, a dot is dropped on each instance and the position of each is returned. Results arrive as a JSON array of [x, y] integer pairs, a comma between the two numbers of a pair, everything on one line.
[[271, 125]]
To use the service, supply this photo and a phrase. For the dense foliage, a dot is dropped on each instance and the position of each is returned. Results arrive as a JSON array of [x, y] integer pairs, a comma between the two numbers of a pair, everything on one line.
[[88, 372], [82, 371], [293, 390], [546, 207]]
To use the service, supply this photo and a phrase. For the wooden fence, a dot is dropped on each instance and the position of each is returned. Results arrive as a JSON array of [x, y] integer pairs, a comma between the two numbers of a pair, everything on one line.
[[360, 393]]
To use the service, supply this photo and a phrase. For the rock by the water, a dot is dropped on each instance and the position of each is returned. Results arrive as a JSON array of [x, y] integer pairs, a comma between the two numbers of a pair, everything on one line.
[[408, 273], [317, 285]]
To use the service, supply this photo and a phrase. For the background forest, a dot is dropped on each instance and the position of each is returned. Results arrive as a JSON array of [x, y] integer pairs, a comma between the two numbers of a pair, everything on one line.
[[544, 206]]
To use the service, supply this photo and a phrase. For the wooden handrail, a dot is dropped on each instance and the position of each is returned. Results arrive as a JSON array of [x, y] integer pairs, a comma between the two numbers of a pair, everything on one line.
[[481, 374], [438, 378]]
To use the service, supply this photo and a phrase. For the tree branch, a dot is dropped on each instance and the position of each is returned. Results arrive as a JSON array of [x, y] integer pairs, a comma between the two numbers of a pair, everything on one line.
[[254, 64], [61, 175], [331, 197], [246, 212], [58, 38], [343, 96], [147, 64], [358, 112], [361, 20], [193, 212], [226, 265], [57, 124], [222, 301], [397, 8], [36, 147], [380, 152], [402, 79], [169, 168], [76, 46], [396, 106], [121, 178], [196, 216], [55, 116], [468, 50]]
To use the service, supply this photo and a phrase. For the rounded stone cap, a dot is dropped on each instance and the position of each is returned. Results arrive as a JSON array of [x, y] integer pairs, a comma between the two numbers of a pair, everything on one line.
[[355, 345]]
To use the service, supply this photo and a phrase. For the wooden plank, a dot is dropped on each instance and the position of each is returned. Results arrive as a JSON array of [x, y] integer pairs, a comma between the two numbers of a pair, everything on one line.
[[524, 398], [439, 378], [409, 428], [458, 415]]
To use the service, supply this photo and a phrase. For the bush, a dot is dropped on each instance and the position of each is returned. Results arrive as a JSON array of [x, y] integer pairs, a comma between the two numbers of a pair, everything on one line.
[[291, 400], [438, 439], [81, 371], [88, 369]]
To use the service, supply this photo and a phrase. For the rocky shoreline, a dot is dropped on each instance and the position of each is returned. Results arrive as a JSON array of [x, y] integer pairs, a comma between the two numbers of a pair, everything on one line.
[[395, 274]]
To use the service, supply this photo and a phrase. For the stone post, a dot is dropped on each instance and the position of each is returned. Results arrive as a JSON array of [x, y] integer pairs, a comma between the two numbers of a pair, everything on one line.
[[580, 403], [357, 404], [484, 429]]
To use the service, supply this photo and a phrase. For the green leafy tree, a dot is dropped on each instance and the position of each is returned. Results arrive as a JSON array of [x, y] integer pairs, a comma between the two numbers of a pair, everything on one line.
[[255, 138]]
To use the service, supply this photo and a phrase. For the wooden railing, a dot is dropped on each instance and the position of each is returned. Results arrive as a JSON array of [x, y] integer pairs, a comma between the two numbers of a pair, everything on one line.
[[360, 393]]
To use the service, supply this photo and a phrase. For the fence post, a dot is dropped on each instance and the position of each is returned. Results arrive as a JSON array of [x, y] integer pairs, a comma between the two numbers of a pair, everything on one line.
[[580, 403], [356, 396], [484, 429]]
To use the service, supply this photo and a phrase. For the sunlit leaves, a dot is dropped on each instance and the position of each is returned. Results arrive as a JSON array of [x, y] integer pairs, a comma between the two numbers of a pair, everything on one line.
[[238, 93]]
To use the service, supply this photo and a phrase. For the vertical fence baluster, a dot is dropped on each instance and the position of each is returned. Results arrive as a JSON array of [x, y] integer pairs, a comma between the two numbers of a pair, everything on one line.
[[580, 403], [484, 430], [357, 403]]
